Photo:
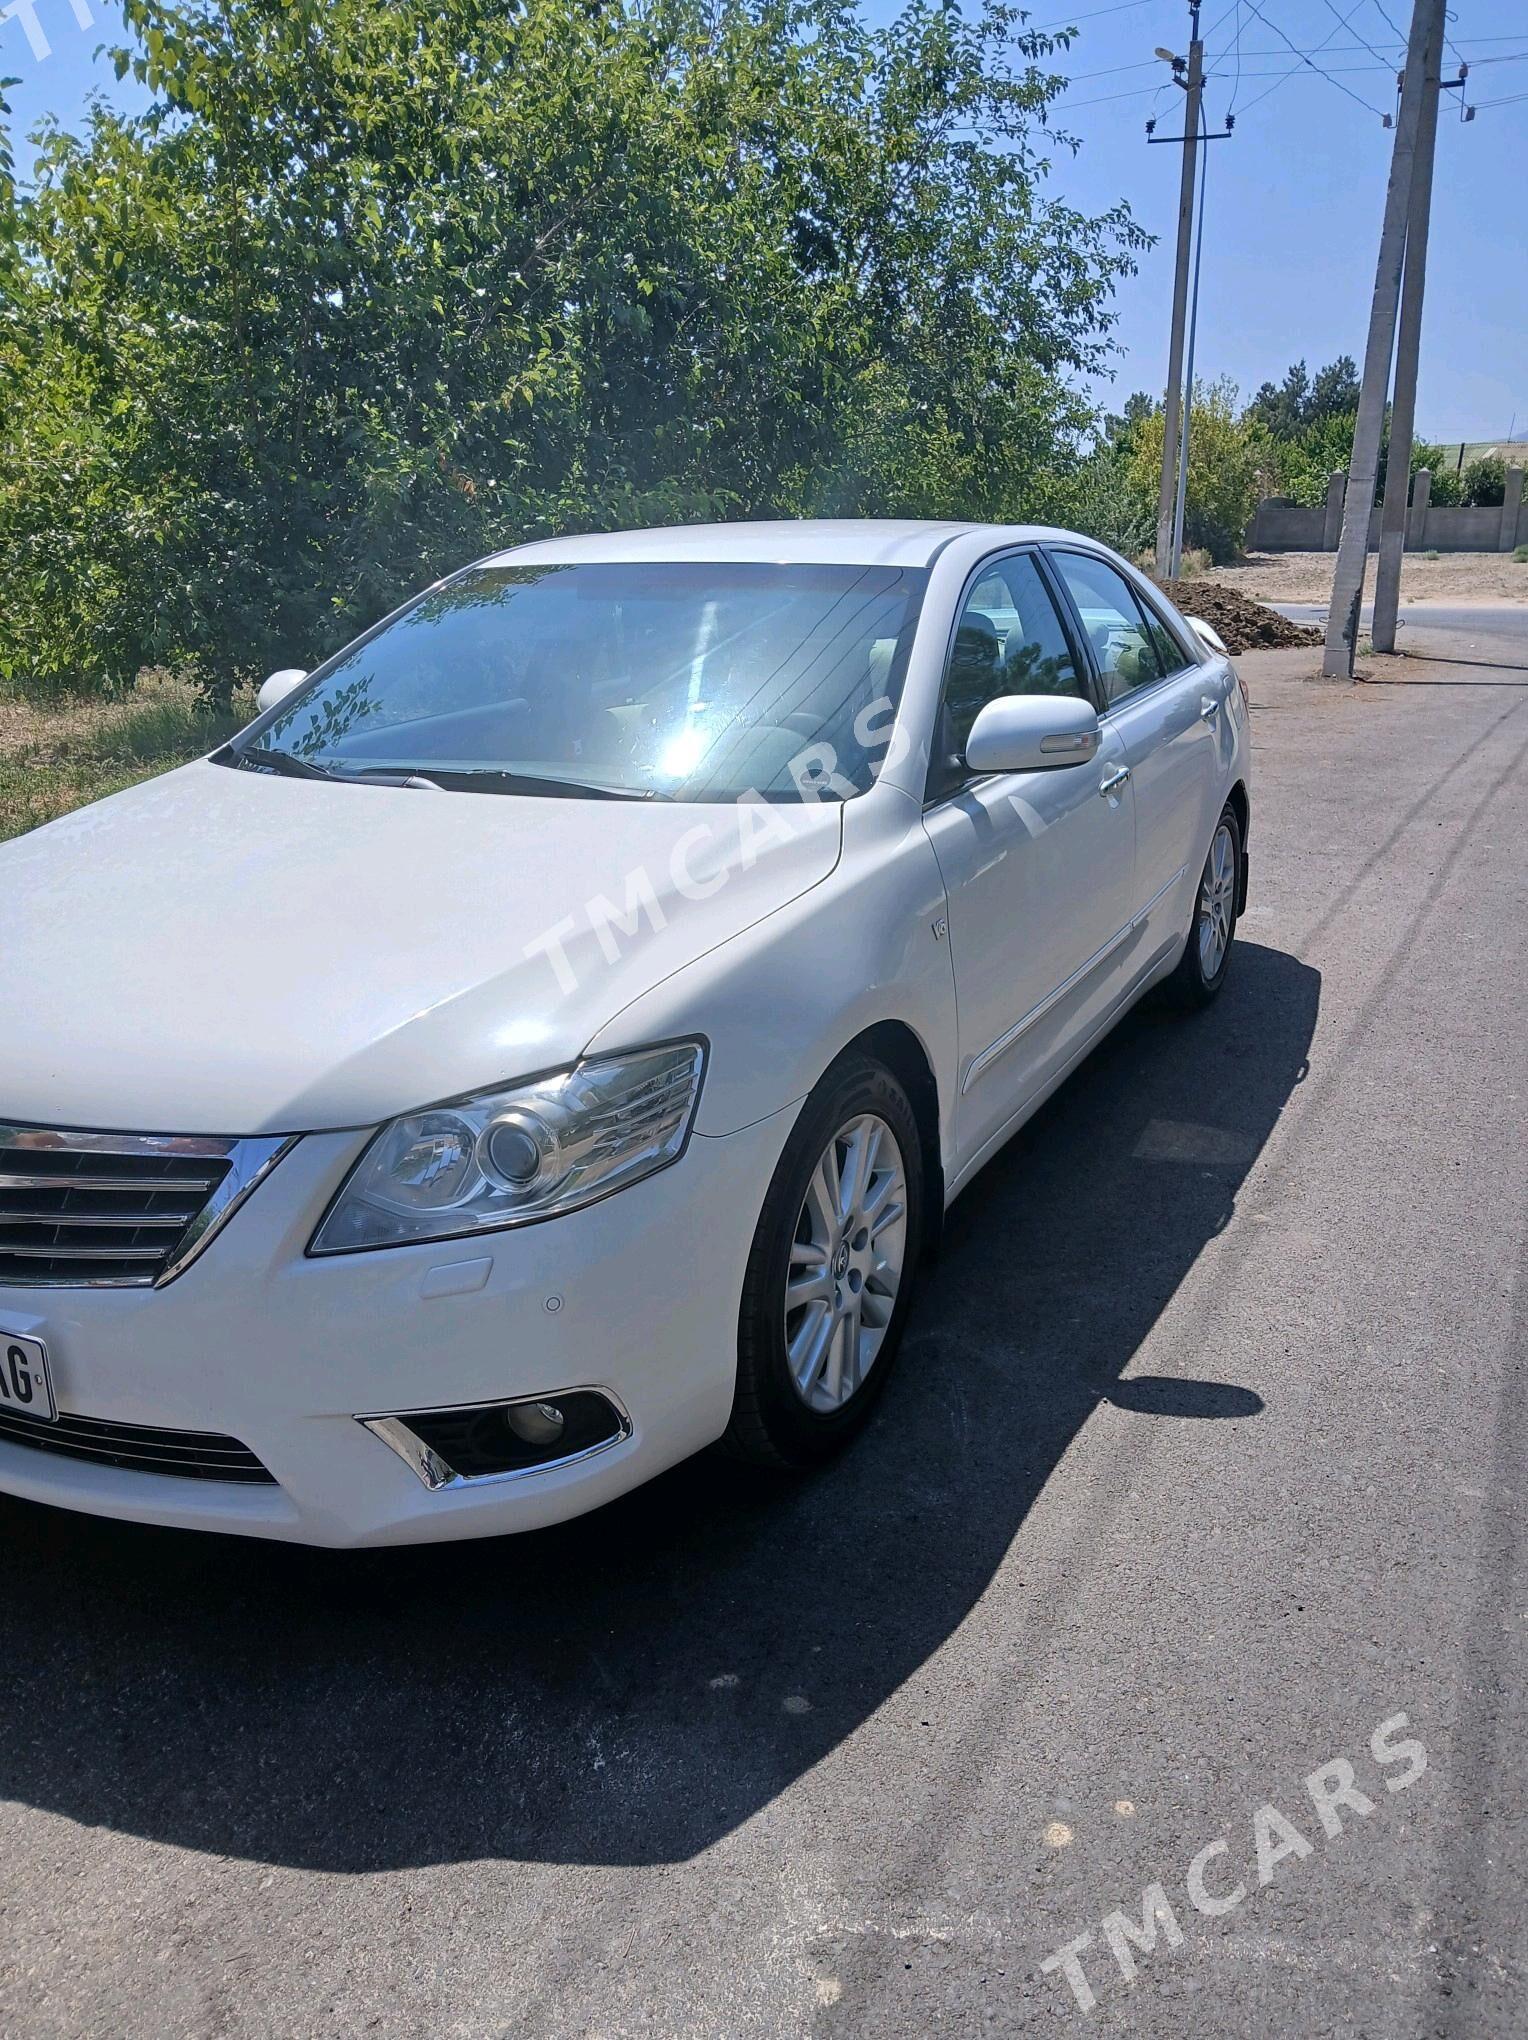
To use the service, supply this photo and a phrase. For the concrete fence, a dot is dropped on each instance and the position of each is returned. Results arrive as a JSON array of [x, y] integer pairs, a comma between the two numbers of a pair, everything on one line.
[[1282, 526]]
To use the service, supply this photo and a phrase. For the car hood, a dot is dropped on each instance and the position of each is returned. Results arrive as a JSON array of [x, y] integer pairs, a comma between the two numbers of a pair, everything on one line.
[[222, 951]]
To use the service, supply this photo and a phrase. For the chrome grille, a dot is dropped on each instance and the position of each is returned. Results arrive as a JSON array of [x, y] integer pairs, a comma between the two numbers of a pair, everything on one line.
[[116, 1209], [186, 1455]]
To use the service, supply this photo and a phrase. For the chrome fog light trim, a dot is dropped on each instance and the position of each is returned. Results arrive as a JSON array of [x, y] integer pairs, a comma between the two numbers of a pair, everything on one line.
[[436, 1473]]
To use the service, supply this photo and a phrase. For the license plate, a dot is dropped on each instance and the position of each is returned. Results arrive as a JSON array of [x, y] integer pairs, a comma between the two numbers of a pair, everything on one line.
[[26, 1388]]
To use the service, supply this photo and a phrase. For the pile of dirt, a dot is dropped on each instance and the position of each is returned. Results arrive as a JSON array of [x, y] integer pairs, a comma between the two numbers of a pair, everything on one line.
[[1244, 625]]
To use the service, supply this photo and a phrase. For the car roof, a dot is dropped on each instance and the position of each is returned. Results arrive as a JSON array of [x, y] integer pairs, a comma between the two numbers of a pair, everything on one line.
[[821, 541]]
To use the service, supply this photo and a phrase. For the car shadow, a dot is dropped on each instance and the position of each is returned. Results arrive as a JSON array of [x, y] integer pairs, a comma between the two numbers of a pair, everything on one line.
[[627, 1688]]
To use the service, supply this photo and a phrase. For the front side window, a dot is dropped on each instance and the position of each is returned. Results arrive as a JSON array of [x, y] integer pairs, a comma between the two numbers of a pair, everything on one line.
[[694, 682], [1009, 640], [1126, 654]]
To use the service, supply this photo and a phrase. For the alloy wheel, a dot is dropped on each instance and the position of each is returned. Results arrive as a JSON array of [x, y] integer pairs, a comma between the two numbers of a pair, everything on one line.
[[847, 1261], [1217, 893]]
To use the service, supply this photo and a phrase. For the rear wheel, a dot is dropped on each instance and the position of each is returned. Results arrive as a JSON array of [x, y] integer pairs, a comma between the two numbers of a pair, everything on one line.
[[830, 1273], [1206, 956]]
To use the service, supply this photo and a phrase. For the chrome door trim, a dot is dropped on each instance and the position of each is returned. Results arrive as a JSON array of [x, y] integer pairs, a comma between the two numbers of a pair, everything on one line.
[[1156, 900], [982, 1063]]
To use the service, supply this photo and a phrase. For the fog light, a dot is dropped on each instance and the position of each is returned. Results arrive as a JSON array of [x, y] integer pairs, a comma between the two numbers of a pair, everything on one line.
[[535, 1423]]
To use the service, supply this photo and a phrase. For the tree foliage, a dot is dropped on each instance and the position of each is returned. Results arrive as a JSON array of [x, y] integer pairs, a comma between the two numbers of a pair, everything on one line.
[[1101, 495], [1224, 469], [1484, 481], [371, 289], [1289, 409]]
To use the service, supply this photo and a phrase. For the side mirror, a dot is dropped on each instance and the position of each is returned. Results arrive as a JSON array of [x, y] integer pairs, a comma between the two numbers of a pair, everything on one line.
[[1207, 636], [279, 686], [1033, 733]]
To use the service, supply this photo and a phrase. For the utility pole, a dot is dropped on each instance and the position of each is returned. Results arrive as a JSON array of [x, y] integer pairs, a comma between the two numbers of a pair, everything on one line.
[[1353, 547], [1175, 564], [1172, 412], [1392, 530]]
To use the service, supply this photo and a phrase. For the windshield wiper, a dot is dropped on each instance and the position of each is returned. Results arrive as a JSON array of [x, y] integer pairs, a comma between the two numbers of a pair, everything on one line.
[[498, 779], [389, 775], [470, 778], [290, 766], [287, 763]]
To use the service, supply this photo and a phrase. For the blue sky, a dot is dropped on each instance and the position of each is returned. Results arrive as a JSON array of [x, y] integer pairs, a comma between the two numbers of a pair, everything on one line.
[[1294, 198]]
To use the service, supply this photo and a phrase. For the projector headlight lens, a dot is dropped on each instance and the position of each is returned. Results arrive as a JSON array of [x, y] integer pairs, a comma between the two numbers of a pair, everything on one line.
[[513, 1156]]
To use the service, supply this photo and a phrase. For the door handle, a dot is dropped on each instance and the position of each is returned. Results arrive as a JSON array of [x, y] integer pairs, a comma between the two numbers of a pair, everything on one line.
[[1209, 708], [1115, 781]]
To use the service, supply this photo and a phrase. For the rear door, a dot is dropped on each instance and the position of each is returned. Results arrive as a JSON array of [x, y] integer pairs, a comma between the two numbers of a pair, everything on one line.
[[1166, 709]]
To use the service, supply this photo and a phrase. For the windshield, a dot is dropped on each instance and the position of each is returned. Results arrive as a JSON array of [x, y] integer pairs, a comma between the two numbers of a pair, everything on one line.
[[689, 681]]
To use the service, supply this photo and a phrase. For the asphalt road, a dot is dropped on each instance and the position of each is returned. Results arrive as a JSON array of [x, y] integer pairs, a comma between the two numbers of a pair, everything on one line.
[[1205, 1458], [1497, 630]]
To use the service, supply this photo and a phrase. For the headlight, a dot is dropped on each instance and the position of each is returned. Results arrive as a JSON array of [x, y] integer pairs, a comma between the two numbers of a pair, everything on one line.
[[513, 1156]]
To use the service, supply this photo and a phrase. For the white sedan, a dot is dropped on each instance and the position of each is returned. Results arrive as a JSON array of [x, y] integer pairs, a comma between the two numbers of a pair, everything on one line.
[[543, 1043]]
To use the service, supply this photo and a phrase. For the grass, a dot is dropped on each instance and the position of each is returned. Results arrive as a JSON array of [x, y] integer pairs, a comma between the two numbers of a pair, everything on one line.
[[58, 753], [1520, 554]]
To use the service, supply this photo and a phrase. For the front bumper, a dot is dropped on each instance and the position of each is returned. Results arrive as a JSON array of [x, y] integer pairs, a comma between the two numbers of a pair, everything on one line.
[[637, 1295]]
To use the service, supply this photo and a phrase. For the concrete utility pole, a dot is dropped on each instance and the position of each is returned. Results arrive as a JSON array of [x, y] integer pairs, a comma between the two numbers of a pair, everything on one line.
[[1172, 410], [1175, 564], [1392, 530], [1353, 547]]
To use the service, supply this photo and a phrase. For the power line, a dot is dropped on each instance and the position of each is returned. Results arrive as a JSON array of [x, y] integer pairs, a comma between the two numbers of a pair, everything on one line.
[[1306, 61], [1352, 47], [1236, 87], [1234, 8], [1369, 70], [1113, 70], [1448, 41], [1373, 52], [1074, 20], [1105, 98]]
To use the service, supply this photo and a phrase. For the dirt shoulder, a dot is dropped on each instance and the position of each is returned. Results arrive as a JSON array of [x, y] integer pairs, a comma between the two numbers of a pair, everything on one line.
[[1459, 578]]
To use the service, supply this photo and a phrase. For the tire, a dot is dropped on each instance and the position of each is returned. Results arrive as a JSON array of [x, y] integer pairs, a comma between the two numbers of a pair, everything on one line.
[[794, 1405], [1206, 958]]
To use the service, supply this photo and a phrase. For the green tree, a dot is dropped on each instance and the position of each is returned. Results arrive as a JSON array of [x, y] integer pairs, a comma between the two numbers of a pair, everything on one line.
[[1225, 461], [1102, 495], [1288, 409], [368, 290], [1300, 468], [1484, 481], [1280, 408], [1121, 425]]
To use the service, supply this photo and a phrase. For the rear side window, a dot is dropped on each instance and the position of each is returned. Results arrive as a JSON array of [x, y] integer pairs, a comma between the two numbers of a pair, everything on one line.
[[1171, 656], [1132, 645]]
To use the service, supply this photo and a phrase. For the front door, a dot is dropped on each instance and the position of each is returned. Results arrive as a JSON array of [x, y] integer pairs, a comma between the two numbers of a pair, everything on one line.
[[1038, 866]]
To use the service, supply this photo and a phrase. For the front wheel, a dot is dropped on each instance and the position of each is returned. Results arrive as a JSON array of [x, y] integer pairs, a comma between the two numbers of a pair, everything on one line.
[[830, 1273], [1206, 958]]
